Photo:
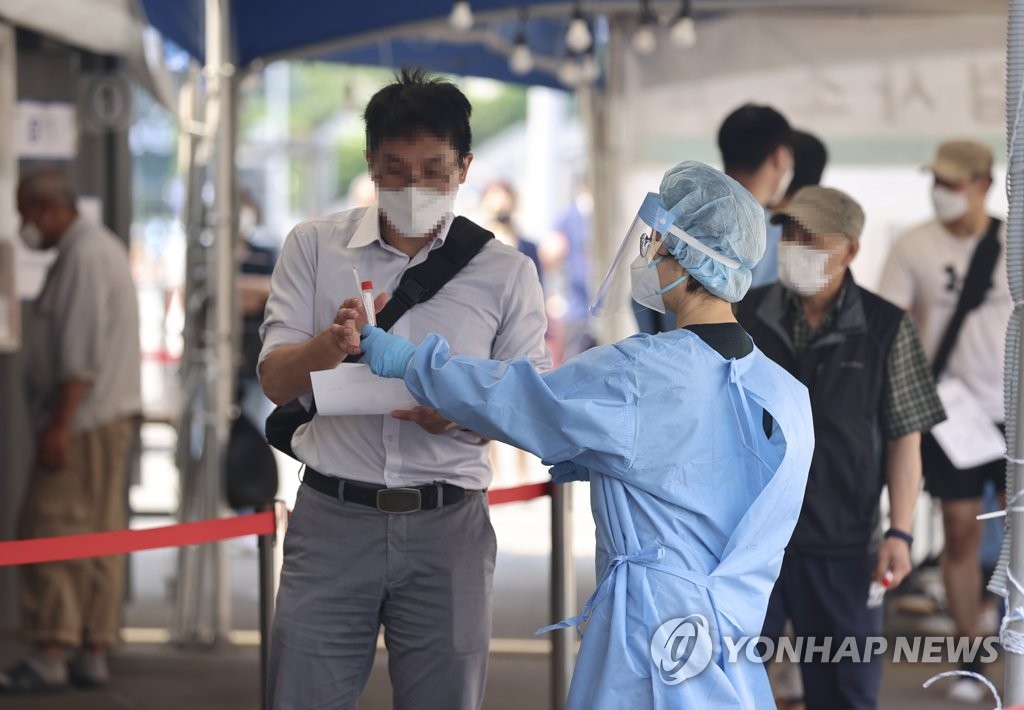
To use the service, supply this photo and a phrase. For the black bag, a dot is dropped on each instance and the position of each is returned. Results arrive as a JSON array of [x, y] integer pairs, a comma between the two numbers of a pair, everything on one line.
[[251, 469], [418, 284], [976, 284]]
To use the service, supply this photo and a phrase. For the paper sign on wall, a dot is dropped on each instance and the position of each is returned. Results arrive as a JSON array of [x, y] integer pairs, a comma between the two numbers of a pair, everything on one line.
[[45, 130]]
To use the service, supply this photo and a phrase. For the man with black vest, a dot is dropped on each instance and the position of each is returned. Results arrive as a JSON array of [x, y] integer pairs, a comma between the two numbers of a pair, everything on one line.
[[872, 393], [950, 275]]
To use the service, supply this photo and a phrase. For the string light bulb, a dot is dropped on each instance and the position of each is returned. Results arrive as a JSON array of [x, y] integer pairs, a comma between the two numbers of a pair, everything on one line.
[[684, 29], [578, 37], [521, 60], [645, 41], [461, 17]]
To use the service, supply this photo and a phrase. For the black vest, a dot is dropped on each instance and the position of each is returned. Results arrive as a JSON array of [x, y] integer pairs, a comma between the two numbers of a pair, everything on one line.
[[845, 372]]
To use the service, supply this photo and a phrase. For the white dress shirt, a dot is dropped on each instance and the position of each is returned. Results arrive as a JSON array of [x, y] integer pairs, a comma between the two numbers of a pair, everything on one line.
[[492, 308]]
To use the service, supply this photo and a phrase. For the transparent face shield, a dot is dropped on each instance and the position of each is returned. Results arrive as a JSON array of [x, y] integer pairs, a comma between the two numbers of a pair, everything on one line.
[[639, 249]]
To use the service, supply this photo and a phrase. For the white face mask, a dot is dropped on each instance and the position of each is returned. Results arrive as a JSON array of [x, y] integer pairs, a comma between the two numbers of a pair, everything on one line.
[[31, 236], [802, 268], [645, 284], [415, 211], [950, 205], [247, 222], [784, 183]]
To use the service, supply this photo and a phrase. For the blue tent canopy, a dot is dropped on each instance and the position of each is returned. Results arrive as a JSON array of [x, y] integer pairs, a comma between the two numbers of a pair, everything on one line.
[[332, 30]]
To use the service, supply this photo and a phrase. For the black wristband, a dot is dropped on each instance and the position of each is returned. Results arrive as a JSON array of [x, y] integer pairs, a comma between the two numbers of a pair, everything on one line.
[[905, 536]]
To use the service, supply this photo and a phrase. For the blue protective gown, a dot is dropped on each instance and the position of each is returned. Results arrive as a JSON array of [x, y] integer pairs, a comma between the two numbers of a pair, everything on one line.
[[693, 504]]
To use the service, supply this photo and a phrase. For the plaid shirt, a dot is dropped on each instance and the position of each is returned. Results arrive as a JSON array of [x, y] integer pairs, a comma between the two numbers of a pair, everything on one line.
[[910, 402]]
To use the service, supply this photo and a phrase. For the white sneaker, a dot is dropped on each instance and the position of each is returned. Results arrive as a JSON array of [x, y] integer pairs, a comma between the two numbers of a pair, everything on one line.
[[967, 690]]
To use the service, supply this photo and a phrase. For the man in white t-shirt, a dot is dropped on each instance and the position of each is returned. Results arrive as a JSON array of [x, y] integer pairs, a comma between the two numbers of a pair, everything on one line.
[[925, 274]]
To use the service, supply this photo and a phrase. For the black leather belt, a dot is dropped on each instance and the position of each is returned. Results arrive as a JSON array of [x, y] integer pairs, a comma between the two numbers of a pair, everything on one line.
[[386, 500]]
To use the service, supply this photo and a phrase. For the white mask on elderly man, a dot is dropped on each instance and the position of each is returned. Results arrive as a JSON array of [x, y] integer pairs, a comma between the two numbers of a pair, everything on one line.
[[950, 205], [31, 236], [415, 210], [802, 268]]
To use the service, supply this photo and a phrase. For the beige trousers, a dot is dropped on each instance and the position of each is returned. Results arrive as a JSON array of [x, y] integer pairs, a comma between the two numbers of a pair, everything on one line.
[[79, 601]]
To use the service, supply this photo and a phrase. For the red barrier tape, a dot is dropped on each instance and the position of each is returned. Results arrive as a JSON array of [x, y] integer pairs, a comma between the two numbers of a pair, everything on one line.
[[52, 549], [527, 492], [76, 547]]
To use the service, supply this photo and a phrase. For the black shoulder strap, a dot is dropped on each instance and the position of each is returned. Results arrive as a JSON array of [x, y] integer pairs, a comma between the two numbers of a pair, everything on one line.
[[976, 284], [420, 283], [464, 241]]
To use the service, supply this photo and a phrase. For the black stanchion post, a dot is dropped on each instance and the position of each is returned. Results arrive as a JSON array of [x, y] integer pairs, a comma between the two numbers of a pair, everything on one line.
[[270, 570]]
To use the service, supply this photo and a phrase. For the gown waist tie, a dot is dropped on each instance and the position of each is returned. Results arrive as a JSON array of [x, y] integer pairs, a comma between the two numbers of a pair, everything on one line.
[[646, 557]]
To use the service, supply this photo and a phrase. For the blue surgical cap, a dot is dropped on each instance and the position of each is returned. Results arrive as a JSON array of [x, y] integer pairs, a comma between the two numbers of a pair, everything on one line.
[[717, 211]]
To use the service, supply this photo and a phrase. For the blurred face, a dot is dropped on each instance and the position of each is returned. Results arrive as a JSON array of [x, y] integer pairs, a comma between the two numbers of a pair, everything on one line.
[[810, 263], [417, 179], [422, 160], [953, 201], [498, 202], [38, 228]]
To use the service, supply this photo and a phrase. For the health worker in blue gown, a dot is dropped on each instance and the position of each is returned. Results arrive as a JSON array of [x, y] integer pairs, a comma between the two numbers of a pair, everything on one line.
[[696, 446]]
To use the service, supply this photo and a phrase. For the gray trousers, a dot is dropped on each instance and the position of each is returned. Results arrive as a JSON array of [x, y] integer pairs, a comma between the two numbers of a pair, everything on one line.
[[348, 568]]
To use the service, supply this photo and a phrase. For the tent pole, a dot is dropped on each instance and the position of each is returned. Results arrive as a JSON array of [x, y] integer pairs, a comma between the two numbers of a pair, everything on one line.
[[220, 73], [1014, 689]]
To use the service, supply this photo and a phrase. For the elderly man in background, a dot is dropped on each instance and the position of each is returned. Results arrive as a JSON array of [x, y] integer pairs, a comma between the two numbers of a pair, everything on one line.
[[82, 344]]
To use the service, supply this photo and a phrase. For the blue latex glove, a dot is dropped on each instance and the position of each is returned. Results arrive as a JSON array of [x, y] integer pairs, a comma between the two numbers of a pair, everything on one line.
[[387, 355], [566, 471]]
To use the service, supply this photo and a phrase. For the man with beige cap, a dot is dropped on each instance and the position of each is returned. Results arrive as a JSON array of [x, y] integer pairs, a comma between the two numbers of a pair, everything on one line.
[[872, 394], [963, 322]]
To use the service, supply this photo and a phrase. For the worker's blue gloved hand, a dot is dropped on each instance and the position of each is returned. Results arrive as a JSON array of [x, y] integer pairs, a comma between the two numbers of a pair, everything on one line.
[[566, 471], [387, 355]]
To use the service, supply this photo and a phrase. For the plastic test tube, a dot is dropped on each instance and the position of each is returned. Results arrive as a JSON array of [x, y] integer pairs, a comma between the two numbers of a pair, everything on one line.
[[366, 296], [878, 589]]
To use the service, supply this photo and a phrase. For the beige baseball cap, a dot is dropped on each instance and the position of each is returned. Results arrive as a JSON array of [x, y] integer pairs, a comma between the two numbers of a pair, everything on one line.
[[961, 161], [823, 210]]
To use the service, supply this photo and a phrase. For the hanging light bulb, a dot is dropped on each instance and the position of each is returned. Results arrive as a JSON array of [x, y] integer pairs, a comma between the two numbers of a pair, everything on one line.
[[461, 17], [521, 60], [578, 37], [684, 29], [645, 41], [570, 72]]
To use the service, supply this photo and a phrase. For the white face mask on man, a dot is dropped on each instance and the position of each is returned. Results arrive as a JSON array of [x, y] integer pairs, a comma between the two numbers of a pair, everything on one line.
[[780, 192], [31, 236], [802, 269], [950, 205], [414, 210]]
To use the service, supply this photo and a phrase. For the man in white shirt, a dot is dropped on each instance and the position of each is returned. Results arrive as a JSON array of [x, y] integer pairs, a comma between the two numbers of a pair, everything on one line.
[[925, 274], [354, 562]]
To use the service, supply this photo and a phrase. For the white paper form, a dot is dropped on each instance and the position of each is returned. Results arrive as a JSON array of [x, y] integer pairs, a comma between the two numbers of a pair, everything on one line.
[[351, 388], [968, 436]]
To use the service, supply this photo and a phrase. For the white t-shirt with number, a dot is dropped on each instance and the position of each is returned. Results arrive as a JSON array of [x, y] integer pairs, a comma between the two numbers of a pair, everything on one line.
[[924, 274]]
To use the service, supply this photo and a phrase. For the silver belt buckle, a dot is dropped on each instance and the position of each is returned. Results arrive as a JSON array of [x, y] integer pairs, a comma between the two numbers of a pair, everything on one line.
[[399, 500]]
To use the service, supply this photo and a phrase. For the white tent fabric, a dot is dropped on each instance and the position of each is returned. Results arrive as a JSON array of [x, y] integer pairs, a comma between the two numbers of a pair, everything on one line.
[[881, 91], [112, 27]]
